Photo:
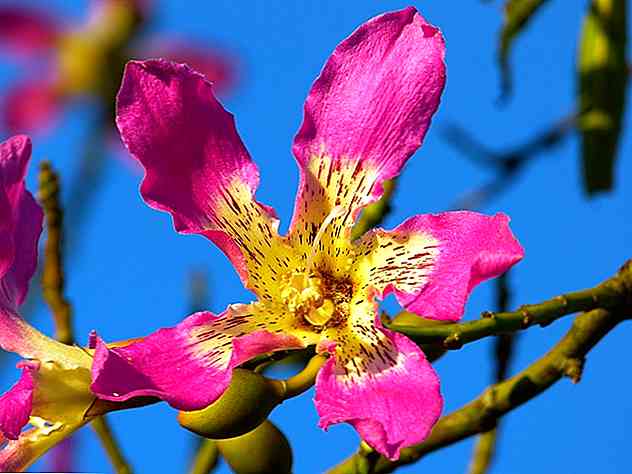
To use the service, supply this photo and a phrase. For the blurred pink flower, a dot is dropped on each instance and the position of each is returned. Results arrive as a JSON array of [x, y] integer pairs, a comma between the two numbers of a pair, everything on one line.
[[85, 60], [366, 114]]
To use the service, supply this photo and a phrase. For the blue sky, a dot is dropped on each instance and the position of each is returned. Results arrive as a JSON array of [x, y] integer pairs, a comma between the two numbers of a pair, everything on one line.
[[129, 274]]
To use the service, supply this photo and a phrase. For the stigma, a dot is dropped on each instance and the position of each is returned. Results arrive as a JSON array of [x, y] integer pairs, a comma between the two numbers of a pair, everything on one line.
[[303, 296]]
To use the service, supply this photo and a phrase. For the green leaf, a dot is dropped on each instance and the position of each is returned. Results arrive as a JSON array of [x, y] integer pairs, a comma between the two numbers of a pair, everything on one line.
[[603, 76], [517, 16]]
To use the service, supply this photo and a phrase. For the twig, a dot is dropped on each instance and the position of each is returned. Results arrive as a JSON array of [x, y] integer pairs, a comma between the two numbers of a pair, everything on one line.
[[485, 447], [53, 292], [53, 268], [206, 457], [103, 431], [484, 452], [609, 294]]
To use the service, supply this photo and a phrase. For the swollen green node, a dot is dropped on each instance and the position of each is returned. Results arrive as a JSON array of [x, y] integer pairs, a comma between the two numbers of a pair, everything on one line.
[[246, 403]]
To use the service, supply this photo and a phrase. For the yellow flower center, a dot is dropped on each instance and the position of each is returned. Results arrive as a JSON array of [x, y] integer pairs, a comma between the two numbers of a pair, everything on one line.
[[317, 298], [303, 295]]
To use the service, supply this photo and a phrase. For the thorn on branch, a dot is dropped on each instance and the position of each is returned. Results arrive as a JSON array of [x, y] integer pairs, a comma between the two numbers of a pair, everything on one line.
[[489, 413], [453, 342], [573, 368], [488, 315], [527, 318]]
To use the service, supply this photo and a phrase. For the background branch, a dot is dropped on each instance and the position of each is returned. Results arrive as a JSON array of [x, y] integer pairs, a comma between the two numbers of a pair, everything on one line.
[[53, 284], [486, 444]]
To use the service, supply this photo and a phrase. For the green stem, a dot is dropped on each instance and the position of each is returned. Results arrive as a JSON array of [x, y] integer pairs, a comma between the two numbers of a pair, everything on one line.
[[104, 432], [485, 447], [53, 286], [305, 379], [53, 281], [206, 457], [484, 451], [609, 294]]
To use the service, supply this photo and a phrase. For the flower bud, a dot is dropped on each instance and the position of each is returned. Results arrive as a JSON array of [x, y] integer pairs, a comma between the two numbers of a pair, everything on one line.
[[244, 405], [432, 351], [265, 450]]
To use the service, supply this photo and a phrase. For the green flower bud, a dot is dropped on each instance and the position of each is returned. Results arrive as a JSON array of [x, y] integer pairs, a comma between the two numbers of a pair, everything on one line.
[[432, 351], [246, 403], [265, 450]]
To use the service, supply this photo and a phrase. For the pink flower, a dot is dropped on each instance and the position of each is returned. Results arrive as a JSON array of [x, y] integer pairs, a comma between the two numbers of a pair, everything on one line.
[[365, 116], [84, 60], [53, 391]]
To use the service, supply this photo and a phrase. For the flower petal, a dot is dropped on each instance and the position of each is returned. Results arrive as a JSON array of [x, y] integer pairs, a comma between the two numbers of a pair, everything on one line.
[[31, 105], [20, 227], [27, 30], [16, 404], [432, 262], [189, 365], [366, 114], [392, 403], [197, 167], [20, 223], [18, 455]]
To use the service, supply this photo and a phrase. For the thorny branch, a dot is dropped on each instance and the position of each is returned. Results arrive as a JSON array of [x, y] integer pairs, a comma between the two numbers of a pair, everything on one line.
[[53, 284], [566, 358], [607, 295]]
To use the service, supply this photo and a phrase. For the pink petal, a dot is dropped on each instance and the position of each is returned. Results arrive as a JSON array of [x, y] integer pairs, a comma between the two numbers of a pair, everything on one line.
[[17, 403], [437, 259], [31, 105], [189, 365], [391, 407], [20, 228], [369, 110], [197, 167], [20, 223], [27, 30]]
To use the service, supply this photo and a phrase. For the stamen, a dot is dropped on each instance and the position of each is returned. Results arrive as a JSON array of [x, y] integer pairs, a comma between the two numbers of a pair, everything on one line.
[[337, 211], [303, 296]]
